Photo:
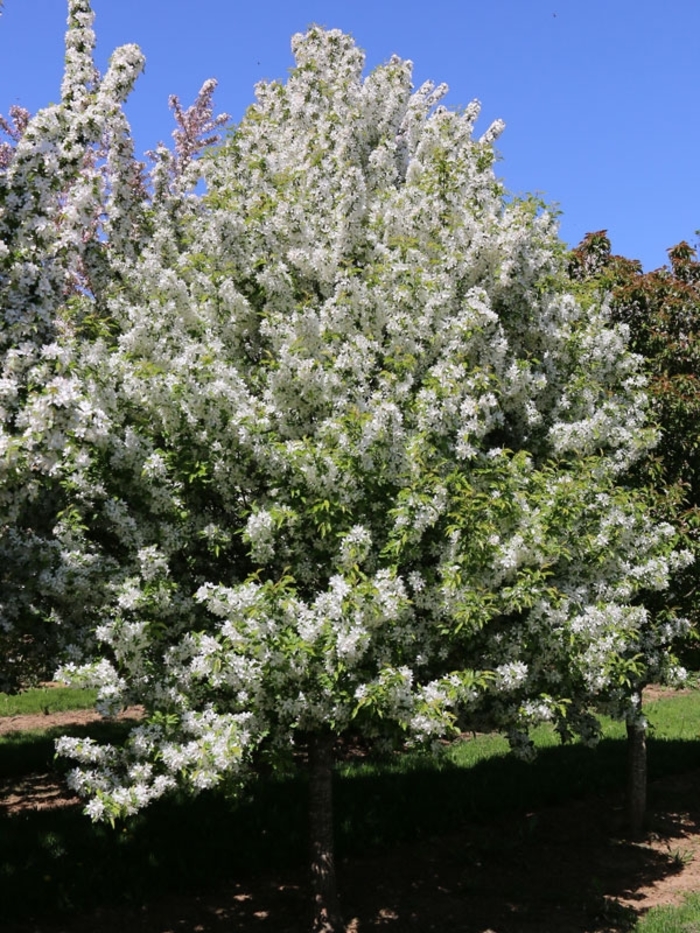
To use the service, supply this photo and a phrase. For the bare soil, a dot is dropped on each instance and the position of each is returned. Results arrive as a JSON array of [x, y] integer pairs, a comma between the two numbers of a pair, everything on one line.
[[561, 869], [28, 722]]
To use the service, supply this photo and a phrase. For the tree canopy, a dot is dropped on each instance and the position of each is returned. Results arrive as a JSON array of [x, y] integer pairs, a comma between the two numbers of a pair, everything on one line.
[[661, 309], [358, 451]]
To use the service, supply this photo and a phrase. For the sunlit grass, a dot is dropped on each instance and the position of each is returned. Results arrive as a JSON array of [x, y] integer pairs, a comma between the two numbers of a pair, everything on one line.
[[46, 700], [676, 717], [684, 918]]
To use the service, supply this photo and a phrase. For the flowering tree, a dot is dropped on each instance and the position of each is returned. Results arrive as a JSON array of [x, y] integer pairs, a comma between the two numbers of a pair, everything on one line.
[[660, 308], [49, 227], [73, 203], [340, 450]]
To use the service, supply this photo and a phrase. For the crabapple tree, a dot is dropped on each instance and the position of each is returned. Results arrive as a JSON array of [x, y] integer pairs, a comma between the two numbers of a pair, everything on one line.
[[342, 451], [73, 204], [49, 219], [660, 309]]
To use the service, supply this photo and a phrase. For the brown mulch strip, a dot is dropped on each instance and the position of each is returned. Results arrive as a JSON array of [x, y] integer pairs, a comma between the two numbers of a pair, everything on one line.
[[36, 721]]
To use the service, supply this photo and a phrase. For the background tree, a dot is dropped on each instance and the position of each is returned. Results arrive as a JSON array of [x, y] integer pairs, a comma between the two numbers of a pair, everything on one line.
[[661, 310], [74, 202], [49, 230]]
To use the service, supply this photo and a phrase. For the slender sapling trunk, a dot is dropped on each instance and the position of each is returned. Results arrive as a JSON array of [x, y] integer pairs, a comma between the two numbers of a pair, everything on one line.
[[636, 768], [327, 917]]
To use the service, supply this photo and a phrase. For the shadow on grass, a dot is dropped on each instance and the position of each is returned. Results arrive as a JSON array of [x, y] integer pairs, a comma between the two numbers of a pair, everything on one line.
[[25, 752], [55, 862], [395, 807]]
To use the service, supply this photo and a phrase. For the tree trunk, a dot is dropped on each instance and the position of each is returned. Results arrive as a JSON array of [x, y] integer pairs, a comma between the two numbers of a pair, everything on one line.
[[327, 918], [636, 768]]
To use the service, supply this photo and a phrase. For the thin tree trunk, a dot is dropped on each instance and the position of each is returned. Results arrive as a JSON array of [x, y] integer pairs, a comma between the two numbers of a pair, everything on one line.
[[636, 769], [327, 917]]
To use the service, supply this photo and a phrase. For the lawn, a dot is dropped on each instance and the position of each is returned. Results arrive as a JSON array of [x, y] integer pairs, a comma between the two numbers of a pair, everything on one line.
[[46, 700], [485, 808], [684, 918]]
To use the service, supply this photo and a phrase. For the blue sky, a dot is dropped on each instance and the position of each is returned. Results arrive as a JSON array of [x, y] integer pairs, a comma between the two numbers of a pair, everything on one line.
[[600, 98]]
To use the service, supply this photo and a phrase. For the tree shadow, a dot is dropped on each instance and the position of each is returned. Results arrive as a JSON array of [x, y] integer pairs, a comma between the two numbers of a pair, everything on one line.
[[566, 868], [501, 846]]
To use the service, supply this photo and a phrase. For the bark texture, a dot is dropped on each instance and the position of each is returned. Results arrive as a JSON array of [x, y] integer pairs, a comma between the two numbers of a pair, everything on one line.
[[327, 917], [636, 770]]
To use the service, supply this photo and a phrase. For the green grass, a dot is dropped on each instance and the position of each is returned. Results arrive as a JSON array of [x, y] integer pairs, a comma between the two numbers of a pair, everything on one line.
[[477, 779], [58, 862], [46, 700], [676, 717], [682, 919]]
